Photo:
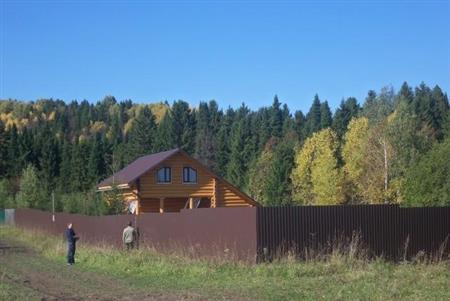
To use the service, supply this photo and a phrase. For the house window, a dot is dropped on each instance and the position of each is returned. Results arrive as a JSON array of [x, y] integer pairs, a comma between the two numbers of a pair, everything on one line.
[[189, 175], [164, 175]]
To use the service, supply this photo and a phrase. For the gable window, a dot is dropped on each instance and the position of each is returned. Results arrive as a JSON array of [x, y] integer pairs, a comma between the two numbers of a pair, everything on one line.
[[164, 175], [189, 175]]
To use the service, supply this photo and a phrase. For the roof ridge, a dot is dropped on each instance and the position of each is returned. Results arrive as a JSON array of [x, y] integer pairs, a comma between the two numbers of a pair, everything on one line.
[[137, 168]]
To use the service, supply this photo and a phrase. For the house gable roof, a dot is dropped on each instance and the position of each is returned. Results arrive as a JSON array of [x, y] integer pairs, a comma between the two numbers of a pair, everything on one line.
[[144, 164], [137, 168]]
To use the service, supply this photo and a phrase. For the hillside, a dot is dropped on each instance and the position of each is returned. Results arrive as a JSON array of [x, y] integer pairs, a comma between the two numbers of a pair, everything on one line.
[[390, 148]]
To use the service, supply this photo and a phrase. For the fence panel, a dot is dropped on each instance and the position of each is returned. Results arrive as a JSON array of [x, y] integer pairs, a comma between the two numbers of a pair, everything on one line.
[[227, 232], [384, 230]]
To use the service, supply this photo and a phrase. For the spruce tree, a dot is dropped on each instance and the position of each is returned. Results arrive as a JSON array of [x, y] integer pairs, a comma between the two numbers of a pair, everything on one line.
[[49, 162], [65, 170], [300, 125], [223, 142], [164, 139], [204, 142], [313, 118], [240, 154], [142, 134], [347, 110], [276, 118], [405, 94], [183, 126], [3, 151], [28, 147], [96, 164], [325, 115], [422, 103], [439, 110], [79, 174], [279, 185]]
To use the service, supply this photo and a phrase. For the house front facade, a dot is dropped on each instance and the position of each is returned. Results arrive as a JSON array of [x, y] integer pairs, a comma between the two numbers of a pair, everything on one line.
[[170, 181]]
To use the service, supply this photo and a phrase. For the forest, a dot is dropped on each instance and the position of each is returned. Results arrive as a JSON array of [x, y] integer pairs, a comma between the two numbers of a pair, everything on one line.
[[394, 147]]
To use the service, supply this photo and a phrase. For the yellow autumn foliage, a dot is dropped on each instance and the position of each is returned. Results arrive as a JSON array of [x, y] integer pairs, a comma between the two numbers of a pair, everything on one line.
[[316, 177], [354, 149]]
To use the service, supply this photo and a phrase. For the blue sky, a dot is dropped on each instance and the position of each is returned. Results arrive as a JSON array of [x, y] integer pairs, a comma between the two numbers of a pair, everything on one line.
[[232, 52]]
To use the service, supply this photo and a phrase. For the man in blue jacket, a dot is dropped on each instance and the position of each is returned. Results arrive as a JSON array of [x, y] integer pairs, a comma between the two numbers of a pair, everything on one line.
[[71, 244]]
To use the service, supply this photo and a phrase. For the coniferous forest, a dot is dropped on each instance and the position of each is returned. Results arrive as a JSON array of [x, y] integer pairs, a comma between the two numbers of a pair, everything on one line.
[[392, 147]]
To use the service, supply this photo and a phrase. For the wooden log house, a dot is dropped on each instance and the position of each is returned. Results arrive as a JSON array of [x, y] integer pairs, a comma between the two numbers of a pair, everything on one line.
[[170, 181]]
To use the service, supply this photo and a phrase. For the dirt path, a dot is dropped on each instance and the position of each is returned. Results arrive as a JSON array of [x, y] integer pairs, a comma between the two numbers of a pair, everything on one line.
[[41, 279]]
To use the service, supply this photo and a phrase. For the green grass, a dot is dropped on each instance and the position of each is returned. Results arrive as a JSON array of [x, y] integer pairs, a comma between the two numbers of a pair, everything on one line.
[[339, 276], [12, 291]]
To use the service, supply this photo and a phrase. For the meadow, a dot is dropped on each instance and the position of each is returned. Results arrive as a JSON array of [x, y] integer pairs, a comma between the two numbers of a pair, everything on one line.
[[341, 275]]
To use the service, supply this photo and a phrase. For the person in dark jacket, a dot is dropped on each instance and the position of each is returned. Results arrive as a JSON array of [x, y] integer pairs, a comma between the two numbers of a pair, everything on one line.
[[71, 238]]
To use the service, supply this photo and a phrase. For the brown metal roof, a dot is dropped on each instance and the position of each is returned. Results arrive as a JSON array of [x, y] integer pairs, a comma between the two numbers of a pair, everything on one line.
[[138, 167]]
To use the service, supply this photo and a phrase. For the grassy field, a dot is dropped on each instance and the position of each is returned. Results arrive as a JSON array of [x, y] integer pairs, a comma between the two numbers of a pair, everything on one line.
[[339, 276]]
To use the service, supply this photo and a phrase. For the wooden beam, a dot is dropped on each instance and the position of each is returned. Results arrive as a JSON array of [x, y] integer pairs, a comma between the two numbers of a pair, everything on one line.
[[161, 205], [138, 195], [214, 197]]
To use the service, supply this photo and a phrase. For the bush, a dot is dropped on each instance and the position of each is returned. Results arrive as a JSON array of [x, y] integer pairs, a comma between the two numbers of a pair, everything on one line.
[[6, 196], [88, 203]]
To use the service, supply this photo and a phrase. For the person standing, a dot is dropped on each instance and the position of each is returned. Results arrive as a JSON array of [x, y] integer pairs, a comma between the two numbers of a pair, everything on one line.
[[128, 236], [71, 238]]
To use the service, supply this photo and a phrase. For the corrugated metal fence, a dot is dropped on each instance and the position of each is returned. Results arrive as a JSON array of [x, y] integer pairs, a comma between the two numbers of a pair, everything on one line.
[[221, 232], [263, 232], [386, 230]]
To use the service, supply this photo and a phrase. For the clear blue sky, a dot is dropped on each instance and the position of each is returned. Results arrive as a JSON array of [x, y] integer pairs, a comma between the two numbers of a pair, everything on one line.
[[231, 52]]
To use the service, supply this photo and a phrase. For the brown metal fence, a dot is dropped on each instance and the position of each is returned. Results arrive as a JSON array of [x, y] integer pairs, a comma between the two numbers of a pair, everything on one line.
[[384, 230], [222, 232], [259, 233]]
